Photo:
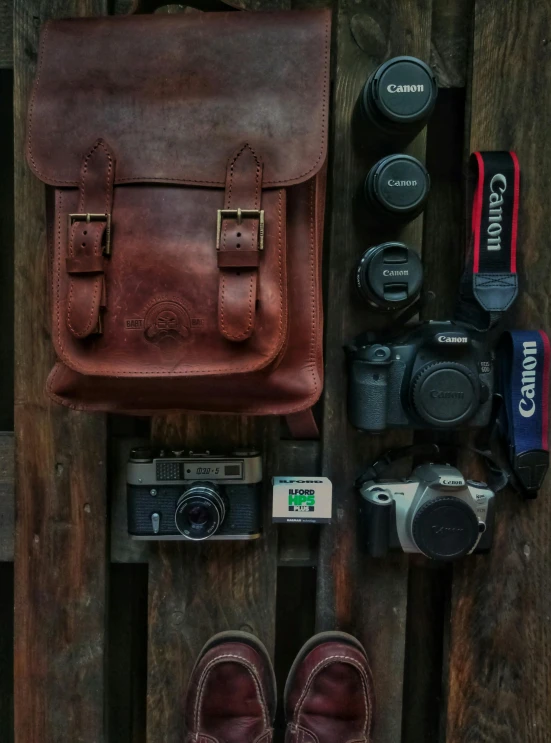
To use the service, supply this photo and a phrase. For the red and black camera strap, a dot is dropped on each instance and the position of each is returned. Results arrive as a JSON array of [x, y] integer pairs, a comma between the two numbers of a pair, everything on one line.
[[489, 285]]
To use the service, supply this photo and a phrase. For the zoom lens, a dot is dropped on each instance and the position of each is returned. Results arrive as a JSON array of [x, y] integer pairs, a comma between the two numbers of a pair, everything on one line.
[[397, 187], [400, 95], [200, 511]]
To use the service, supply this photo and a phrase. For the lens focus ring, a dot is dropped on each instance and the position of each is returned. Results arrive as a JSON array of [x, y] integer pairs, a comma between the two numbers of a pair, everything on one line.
[[200, 511]]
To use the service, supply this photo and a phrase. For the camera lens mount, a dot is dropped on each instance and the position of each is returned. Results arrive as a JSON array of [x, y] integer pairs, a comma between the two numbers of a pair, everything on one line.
[[445, 528], [200, 511], [445, 394]]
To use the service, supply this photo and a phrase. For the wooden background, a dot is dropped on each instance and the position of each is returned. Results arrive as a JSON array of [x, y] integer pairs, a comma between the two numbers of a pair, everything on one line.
[[105, 630]]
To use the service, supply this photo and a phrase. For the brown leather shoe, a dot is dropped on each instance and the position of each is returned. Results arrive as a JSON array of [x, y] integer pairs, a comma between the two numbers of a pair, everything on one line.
[[329, 695], [232, 692]]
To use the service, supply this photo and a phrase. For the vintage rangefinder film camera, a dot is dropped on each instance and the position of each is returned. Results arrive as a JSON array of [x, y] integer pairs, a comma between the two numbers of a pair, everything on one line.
[[435, 512], [436, 375], [177, 494]]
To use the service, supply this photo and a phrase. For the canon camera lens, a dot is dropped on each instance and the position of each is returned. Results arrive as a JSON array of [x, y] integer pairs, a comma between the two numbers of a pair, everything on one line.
[[389, 276], [397, 187], [399, 96], [200, 511]]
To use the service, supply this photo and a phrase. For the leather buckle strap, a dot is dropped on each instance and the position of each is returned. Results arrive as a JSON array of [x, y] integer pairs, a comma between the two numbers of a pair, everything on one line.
[[95, 218], [239, 242], [89, 241]]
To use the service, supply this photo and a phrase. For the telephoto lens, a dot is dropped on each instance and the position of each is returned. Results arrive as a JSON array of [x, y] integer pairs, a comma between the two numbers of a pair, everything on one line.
[[399, 96], [397, 187], [389, 276]]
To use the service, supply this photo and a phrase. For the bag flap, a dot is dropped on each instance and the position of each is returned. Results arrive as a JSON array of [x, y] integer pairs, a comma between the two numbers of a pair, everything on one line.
[[173, 95]]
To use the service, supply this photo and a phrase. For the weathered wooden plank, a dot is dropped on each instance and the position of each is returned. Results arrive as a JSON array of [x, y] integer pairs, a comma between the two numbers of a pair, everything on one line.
[[451, 37], [500, 672], [365, 597], [6, 245], [6, 652], [60, 542], [429, 582], [6, 34], [196, 590], [298, 543], [6, 497]]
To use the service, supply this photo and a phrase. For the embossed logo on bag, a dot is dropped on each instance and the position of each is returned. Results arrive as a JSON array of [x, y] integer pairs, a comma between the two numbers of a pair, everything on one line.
[[167, 321]]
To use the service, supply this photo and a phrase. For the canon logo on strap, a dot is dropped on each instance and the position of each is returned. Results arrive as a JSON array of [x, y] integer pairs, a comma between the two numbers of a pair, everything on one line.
[[405, 88], [527, 406], [498, 186]]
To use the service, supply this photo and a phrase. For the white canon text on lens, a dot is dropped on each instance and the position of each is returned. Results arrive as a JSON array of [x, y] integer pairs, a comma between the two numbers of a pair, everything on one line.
[[388, 272], [527, 406], [393, 183], [452, 339], [405, 88], [498, 186]]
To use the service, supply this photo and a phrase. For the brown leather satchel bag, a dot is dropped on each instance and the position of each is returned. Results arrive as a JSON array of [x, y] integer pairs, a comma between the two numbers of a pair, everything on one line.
[[187, 156]]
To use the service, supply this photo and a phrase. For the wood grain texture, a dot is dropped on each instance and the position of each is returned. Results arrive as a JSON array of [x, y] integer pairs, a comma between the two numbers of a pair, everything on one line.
[[6, 246], [6, 34], [451, 37], [356, 594], [7, 505], [60, 541], [197, 590], [500, 667]]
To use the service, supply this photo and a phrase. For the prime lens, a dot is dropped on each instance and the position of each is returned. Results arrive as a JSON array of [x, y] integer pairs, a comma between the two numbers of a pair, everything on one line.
[[400, 95], [200, 511], [397, 187], [389, 276]]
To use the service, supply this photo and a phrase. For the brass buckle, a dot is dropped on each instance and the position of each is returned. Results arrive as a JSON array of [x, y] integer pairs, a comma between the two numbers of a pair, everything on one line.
[[239, 214], [95, 218]]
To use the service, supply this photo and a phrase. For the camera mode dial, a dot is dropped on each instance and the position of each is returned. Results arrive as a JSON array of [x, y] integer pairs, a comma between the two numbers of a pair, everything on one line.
[[445, 394], [445, 528]]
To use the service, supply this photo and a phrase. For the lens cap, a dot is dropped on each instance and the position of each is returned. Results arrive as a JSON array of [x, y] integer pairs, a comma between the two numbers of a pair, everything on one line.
[[400, 94], [445, 394], [445, 528], [389, 276], [398, 187]]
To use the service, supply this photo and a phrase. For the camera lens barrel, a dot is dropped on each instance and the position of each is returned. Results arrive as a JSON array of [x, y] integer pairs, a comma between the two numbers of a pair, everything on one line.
[[397, 187], [399, 96], [200, 511], [389, 276]]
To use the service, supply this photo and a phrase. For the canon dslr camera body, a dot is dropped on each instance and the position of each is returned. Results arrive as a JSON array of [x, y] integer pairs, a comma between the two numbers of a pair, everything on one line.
[[434, 512], [437, 375], [187, 496]]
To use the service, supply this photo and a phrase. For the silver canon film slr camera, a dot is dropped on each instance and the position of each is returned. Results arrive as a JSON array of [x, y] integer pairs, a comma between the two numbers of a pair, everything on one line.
[[177, 494], [435, 512]]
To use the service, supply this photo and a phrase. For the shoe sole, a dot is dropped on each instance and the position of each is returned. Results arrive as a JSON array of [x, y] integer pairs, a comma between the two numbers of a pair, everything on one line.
[[320, 639], [248, 639]]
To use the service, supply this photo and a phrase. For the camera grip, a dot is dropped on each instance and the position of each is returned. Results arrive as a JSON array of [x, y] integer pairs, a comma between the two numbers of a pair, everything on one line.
[[375, 520], [368, 395]]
